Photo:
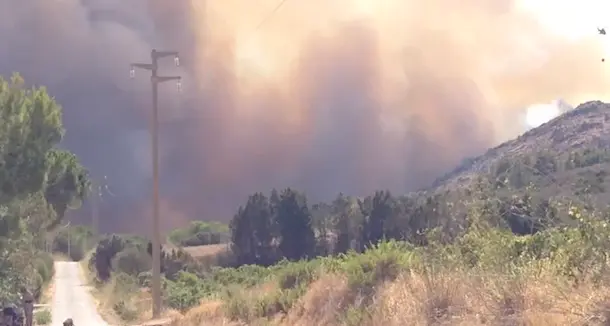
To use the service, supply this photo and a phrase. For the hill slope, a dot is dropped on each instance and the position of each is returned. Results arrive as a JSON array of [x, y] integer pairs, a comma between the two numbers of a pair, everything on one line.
[[567, 155]]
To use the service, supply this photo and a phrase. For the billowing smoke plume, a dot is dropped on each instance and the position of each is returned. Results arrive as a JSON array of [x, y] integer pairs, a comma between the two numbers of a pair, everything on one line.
[[327, 96]]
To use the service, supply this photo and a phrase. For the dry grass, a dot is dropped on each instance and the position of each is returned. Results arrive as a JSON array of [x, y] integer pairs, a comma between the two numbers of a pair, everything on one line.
[[460, 299], [207, 250], [435, 299], [139, 305], [103, 297], [109, 294], [322, 304], [208, 313], [211, 255]]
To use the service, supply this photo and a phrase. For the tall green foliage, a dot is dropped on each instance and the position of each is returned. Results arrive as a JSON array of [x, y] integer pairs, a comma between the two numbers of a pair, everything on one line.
[[38, 183], [30, 162], [199, 233], [252, 231], [268, 228], [297, 239], [30, 126]]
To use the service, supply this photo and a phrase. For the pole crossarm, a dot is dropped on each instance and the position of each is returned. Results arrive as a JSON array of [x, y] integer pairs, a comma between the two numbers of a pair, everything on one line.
[[154, 55], [146, 66], [162, 54], [161, 79]]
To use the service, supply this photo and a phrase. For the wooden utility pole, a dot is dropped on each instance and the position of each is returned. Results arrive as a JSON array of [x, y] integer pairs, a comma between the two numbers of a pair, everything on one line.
[[155, 80], [94, 213]]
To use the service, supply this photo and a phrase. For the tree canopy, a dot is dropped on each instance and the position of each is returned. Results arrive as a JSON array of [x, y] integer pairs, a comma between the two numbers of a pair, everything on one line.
[[30, 161], [39, 182]]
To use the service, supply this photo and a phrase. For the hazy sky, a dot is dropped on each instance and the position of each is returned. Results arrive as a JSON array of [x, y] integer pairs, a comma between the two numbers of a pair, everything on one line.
[[327, 96]]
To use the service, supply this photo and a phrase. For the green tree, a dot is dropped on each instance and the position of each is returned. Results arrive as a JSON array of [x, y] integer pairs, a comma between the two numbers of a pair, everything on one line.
[[407, 219], [378, 210], [545, 163], [242, 241], [67, 182], [321, 219], [38, 183], [252, 232], [30, 130], [30, 126], [347, 220], [259, 211], [74, 241], [132, 261], [200, 233], [274, 204], [297, 238], [106, 250]]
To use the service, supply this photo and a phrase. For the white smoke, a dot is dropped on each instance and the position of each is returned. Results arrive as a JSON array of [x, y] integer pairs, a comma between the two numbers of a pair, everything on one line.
[[539, 114]]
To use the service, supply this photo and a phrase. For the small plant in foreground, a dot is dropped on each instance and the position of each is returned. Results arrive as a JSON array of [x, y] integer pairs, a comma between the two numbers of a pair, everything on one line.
[[42, 317]]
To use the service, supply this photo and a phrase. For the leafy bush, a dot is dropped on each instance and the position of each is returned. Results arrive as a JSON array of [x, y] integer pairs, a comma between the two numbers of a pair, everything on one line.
[[293, 275], [44, 266], [380, 263], [185, 292], [132, 261], [74, 242], [246, 275], [108, 248], [42, 317], [200, 233]]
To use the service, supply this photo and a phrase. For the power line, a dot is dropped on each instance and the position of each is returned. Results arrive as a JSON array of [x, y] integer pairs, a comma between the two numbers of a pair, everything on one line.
[[270, 15], [264, 21]]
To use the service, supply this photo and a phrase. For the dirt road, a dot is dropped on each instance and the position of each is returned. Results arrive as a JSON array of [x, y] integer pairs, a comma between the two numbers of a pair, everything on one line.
[[72, 298]]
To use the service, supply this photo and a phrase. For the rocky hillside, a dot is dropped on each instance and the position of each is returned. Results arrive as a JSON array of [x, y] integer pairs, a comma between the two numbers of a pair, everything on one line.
[[567, 155]]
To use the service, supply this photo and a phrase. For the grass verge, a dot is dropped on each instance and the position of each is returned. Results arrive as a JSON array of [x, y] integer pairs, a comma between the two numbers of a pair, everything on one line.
[[487, 277]]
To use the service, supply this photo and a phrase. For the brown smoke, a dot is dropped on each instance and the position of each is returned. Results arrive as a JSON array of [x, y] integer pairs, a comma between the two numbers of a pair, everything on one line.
[[327, 96]]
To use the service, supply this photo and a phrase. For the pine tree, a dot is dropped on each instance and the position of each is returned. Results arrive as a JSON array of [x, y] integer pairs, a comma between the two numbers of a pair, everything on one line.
[[252, 232], [242, 242], [377, 210], [342, 223], [274, 204], [259, 211], [297, 239]]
